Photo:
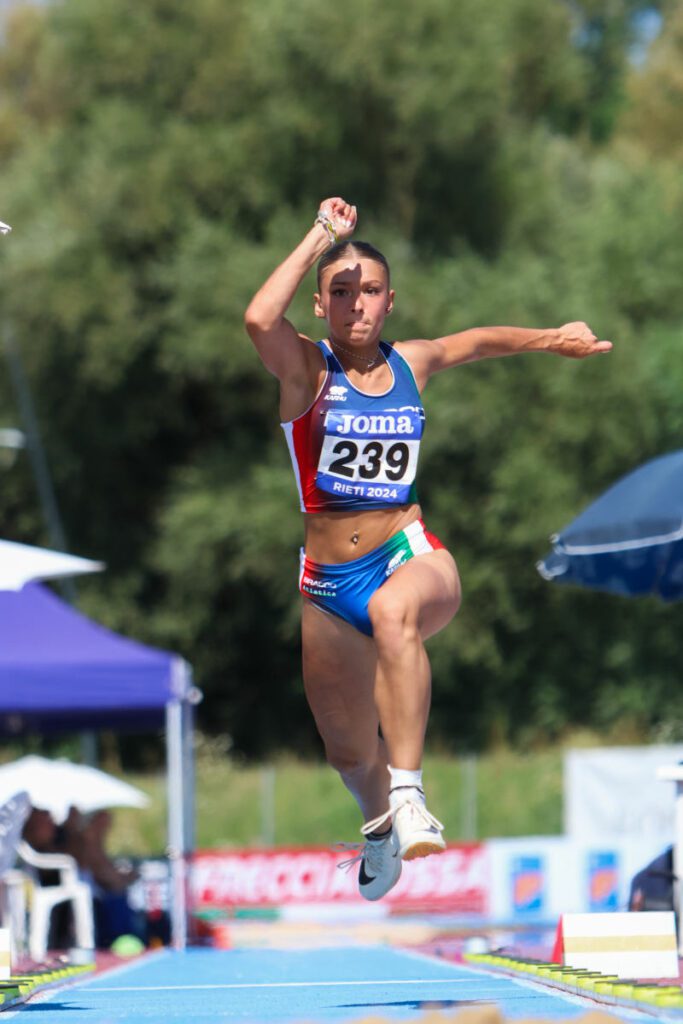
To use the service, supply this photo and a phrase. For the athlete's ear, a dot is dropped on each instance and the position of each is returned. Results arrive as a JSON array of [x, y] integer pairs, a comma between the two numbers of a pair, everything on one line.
[[318, 306], [390, 303]]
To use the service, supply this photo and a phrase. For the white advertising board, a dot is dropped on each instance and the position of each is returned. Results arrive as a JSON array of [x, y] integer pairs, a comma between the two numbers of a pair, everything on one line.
[[625, 945], [614, 792]]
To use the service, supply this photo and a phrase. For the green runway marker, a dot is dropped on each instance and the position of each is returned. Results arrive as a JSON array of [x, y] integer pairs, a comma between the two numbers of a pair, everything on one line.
[[645, 992], [587, 981], [25, 979], [670, 1000], [580, 980], [571, 977], [605, 986], [592, 982], [624, 990]]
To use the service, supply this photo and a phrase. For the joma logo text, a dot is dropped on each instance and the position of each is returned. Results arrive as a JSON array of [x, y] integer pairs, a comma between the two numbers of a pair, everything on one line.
[[377, 424]]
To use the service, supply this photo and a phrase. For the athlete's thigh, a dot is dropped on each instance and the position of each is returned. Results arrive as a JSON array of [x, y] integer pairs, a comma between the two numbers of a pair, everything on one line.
[[427, 587], [339, 666]]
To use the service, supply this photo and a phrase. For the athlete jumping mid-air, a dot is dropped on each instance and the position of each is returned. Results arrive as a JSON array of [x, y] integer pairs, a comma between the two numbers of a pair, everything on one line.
[[375, 583]]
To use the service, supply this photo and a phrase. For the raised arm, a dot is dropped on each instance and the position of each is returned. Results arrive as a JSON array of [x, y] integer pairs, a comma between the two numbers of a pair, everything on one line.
[[281, 348], [574, 340]]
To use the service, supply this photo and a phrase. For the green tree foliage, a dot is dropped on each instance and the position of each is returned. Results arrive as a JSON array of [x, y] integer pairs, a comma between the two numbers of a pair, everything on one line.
[[607, 32], [655, 90], [160, 158]]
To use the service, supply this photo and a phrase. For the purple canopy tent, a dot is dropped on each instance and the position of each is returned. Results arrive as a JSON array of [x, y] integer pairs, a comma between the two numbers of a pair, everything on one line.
[[60, 672]]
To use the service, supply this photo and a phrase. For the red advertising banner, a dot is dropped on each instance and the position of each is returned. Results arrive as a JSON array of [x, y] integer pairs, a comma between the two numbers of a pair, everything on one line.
[[457, 879]]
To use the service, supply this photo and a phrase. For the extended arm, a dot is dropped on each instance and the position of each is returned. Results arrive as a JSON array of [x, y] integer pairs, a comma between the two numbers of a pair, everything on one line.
[[574, 340]]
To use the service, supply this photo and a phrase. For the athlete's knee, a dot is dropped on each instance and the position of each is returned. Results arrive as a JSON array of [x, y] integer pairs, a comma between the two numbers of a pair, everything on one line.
[[351, 764], [394, 617]]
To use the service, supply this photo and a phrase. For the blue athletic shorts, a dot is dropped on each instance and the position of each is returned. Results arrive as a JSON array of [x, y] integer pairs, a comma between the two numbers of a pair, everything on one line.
[[345, 588]]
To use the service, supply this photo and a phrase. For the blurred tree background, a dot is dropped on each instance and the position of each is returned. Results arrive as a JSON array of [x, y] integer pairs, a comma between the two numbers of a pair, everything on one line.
[[518, 161]]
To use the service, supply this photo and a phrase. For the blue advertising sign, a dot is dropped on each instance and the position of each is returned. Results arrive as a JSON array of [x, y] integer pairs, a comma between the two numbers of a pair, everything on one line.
[[603, 880], [528, 879]]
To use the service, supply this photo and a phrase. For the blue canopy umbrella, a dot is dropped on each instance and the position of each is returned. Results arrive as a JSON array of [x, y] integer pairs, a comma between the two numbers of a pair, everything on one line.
[[630, 540]]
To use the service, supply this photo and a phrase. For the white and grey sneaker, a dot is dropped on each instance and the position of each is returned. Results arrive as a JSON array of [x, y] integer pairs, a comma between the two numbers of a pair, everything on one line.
[[380, 864], [418, 833]]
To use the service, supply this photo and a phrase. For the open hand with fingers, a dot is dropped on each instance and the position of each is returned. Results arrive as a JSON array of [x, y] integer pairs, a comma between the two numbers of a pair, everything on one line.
[[576, 341], [338, 217]]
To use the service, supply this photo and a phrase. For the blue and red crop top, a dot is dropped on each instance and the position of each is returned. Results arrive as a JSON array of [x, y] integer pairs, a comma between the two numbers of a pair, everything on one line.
[[354, 451]]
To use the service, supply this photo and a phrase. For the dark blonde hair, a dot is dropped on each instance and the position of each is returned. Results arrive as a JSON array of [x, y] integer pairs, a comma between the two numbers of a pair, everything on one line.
[[342, 249]]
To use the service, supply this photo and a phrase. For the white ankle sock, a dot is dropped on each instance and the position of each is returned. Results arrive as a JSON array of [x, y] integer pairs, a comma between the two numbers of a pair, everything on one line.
[[405, 777], [405, 784]]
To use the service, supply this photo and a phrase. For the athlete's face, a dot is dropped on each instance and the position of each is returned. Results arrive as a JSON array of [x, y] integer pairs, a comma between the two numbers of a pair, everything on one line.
[[354, 298]]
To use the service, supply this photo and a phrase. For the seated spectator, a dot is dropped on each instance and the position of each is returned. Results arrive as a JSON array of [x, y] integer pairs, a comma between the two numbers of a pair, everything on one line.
[[85, 839], [40, 831]]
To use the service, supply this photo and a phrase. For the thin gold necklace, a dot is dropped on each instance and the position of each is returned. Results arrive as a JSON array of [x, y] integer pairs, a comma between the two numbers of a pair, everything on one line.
[[356, 355]]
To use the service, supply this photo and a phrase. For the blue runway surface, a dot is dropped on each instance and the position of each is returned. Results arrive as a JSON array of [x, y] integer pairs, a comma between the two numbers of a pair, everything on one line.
[[303, 986]]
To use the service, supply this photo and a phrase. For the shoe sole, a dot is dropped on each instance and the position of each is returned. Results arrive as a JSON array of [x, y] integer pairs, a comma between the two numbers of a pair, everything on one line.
[[422, 849]]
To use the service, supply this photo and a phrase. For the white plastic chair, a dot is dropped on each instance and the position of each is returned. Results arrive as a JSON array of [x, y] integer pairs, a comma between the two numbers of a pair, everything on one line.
[[44, 898]]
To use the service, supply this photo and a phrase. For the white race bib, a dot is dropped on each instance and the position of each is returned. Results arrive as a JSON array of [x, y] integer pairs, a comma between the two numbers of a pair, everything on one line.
[[371, 455]]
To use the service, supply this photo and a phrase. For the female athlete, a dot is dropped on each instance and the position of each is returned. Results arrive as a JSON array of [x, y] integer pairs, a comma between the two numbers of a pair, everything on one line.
[[375, 583]]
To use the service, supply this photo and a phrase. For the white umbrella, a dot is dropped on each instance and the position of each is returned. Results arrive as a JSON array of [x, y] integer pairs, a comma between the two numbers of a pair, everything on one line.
[[55, 786], [20, 563]]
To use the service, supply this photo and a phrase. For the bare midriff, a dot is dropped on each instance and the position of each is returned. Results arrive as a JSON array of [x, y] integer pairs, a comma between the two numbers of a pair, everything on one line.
[[332, 537]]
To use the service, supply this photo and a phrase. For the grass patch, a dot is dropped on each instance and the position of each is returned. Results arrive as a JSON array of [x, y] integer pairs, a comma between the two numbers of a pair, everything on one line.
[[503, 793]]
